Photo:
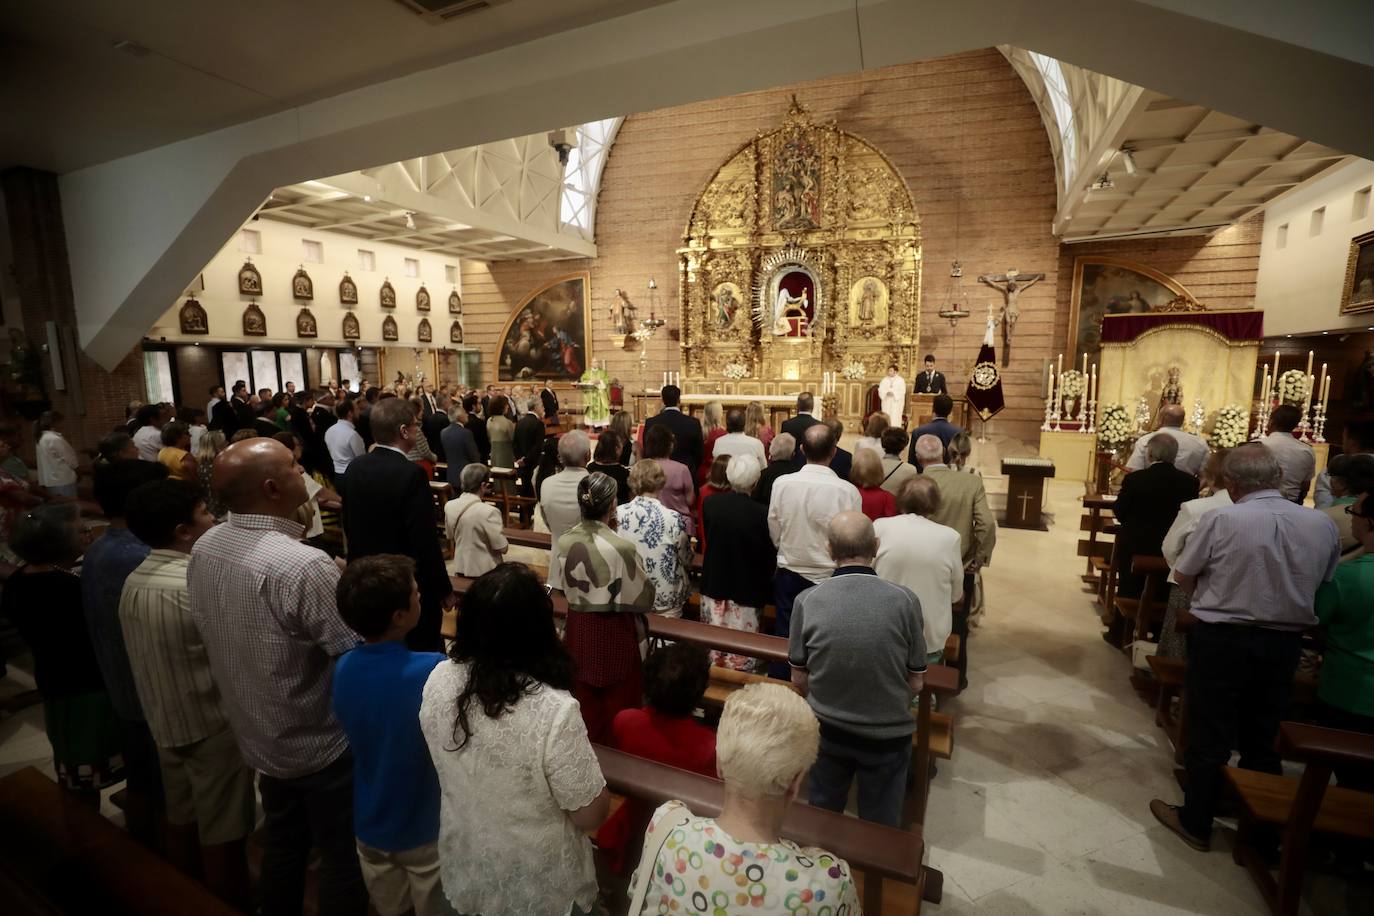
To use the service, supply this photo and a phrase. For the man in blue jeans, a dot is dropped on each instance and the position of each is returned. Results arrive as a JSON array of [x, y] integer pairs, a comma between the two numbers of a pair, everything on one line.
[[858, 655]]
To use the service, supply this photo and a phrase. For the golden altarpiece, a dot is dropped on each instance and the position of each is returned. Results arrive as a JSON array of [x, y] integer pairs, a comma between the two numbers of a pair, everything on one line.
[[801, 270]]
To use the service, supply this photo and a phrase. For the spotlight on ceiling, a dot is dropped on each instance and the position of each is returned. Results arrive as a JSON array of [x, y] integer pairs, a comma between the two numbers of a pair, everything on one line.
[[1128, 160], [367, 198], [410, 220], [1104, 183], [563, 141]]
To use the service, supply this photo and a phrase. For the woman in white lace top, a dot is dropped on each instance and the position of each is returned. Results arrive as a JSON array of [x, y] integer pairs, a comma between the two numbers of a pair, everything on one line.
[[519, 783]]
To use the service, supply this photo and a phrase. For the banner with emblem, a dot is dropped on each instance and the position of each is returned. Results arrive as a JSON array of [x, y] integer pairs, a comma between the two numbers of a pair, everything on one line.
[[985, 382]]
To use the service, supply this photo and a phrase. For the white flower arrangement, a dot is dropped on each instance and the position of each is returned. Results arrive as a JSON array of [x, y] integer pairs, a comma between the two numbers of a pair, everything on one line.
[[1114, 428], [735, 371], [1072, 384], [1231, 427], [1292, 387], [854, 369]]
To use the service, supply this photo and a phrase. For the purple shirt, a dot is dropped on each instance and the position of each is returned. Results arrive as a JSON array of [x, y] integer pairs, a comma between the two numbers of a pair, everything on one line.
[[1260, 561]]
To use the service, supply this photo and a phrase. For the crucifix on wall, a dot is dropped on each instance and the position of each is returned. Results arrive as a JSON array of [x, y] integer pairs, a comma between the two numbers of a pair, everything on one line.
[[1010, 285]]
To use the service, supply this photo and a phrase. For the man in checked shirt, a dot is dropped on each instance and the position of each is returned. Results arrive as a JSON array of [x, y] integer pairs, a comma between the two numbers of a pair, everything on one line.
[[265, 606]]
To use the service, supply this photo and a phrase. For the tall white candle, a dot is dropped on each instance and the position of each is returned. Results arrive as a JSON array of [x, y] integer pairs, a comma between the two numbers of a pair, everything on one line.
[[1092, 389], [1309, 363], [1049, 387], [1321, 384], [1276, 367]]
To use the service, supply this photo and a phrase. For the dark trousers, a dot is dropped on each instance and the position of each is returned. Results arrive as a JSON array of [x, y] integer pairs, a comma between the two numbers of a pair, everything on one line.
[[311, 811], [787, 585], [880, 768], [960, 629], [1239, 681], [1359, 778], [425, 637]]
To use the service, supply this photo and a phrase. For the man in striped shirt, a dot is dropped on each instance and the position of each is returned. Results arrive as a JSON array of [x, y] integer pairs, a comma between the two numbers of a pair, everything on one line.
[[265, 605], [208, 788]]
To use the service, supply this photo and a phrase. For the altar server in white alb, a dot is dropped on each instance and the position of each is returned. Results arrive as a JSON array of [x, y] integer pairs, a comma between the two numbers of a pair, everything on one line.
[[892, 392]]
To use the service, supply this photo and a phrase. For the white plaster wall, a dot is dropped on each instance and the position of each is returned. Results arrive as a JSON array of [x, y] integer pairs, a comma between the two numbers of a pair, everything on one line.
[[282, 254], [1300, 285]]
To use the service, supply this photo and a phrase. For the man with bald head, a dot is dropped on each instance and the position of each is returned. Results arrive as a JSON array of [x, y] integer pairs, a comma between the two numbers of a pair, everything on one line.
[[1193, 451], [799, 510], [858, 655], [265, 606]]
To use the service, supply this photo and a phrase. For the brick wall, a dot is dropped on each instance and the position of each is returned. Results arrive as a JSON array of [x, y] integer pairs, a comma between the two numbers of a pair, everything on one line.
[[95, 399], [962, 131]]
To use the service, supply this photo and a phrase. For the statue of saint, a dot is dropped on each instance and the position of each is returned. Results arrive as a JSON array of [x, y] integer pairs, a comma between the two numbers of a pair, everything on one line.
[[1173, 388], [868, 300], [623, 313]]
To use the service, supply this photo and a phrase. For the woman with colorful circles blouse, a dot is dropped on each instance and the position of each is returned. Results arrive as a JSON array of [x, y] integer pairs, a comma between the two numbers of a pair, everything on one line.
[[767, 740]]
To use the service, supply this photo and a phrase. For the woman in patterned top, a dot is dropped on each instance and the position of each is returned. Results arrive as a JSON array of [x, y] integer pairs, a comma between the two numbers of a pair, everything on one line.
[[767, 740], [519, 784], [607, 591], [661, 536]]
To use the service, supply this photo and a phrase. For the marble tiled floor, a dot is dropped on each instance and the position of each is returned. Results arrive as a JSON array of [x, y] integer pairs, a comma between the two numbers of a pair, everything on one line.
[[1044, 807]]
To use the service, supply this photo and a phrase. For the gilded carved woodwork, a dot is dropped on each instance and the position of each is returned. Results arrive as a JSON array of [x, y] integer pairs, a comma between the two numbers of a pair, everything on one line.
[[802, 254]]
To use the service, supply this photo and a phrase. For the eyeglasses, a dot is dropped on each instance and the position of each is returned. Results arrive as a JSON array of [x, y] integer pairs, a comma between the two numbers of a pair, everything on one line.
[[1350, 510]]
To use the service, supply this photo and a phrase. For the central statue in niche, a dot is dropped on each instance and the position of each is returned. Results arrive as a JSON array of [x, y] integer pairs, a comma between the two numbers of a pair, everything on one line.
[[794, 308]]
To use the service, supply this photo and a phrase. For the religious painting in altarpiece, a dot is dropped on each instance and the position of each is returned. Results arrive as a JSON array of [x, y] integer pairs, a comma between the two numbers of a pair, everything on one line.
[[801, 255]]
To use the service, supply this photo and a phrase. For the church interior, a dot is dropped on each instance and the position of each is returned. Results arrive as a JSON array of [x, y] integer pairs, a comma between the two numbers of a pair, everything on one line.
[[1082, 218]]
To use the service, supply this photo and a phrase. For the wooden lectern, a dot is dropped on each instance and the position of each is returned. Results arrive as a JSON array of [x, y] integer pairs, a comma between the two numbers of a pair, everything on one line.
[[1026, 491]]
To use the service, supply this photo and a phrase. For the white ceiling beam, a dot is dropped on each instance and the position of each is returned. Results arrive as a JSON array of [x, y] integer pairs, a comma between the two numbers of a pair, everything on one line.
[[1114, 131], [454, 211], [1195, 136], [362, 220]]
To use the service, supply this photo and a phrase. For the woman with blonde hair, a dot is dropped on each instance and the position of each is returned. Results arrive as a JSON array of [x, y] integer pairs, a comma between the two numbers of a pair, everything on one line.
[[622, 424], [756, 424], [211, 443], [662, 537], [867, 474], [767, 741], [712, 428]]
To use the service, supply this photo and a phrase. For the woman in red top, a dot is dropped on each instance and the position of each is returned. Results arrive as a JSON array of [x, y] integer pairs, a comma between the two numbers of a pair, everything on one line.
[[867, 475], [716, 482], [675, 678], [712, 428]]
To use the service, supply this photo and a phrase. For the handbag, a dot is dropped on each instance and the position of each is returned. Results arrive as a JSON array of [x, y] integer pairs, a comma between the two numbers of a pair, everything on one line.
[[675, 815]]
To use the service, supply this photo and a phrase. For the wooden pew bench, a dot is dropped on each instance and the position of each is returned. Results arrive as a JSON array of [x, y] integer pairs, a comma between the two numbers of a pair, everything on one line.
[[1171, 673], [56, 852], [884, 857], [1301, 806]]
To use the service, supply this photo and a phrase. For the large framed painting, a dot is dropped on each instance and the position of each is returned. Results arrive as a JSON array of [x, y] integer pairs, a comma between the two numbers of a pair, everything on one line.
[[1358, 296], [1105, 286], [548, 334]]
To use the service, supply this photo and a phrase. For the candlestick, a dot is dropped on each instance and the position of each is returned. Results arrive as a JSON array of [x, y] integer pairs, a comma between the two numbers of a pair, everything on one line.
[[1085, 364], [1309, 362], [1276, 367], [1049, 388], [1092, 388], [1061, 364]]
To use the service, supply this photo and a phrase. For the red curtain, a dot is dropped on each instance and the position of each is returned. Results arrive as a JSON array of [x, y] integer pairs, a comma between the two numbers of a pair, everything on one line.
[[1247, 325]]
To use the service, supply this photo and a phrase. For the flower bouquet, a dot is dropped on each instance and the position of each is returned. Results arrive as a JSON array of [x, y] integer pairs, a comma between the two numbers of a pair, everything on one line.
[[1231, 427], [1292, 387], [735, 371], [854, 370], [1115, 427]]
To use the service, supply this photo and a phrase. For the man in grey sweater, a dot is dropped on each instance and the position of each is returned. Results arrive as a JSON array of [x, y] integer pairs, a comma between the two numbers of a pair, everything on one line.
[[858, 655]]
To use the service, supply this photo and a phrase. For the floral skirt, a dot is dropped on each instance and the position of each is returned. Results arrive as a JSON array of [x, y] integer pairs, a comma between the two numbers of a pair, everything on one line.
[[87, 741], [725, 613], [1172, 643]]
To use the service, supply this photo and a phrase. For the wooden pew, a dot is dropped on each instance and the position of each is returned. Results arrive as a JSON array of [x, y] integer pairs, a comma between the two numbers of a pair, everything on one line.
[[1095, 504], [876, 851], [1149, 608], [1301, 806], [60, 852], [1170, 673]]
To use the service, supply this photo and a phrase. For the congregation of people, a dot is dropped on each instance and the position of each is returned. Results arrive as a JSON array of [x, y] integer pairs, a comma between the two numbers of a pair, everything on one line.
[[273, 636], [1261, 590]]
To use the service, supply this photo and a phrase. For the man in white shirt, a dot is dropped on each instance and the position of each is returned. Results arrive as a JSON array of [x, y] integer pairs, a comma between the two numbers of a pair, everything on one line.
[[216, 395], [1296, 459], [342, 439], [924, 556], [1193, 451], [558, 494], [148, 437], [799, 514], [892, 392], [735, 442]]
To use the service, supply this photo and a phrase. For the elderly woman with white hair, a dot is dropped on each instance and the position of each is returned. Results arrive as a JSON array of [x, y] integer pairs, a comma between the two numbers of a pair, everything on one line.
[[768, 739], [737, 572], [474, 527], [662, 537], [782, 455]]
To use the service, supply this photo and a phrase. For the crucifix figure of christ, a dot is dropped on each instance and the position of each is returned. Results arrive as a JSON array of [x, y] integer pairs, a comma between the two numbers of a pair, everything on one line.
[[1010, 284]]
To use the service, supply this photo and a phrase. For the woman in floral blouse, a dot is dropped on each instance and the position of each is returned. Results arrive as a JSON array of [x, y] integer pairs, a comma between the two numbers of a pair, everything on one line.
[[661, 536], [607, 591]]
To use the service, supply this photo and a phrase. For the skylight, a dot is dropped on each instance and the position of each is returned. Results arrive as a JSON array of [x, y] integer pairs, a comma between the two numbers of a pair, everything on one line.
[[582, 175], [1057, 88]]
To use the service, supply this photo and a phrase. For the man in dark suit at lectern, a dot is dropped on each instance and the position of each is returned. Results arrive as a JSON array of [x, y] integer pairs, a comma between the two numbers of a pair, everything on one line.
[[688, 446], [930, 381]]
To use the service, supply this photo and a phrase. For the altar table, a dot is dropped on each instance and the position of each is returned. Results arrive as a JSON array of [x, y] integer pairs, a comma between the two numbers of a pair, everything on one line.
[[1071, 451]]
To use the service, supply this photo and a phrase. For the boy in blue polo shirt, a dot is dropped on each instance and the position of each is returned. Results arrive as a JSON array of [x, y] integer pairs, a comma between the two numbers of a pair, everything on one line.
[[377, 689]]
